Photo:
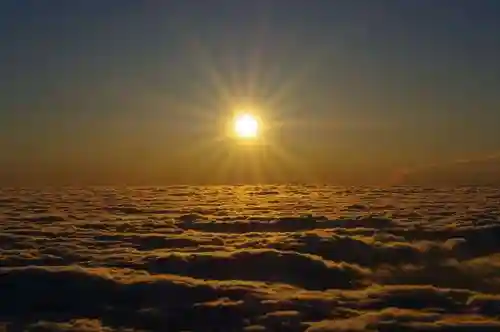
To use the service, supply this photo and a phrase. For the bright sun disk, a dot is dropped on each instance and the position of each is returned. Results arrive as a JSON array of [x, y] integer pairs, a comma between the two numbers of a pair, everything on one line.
[[246, 126]]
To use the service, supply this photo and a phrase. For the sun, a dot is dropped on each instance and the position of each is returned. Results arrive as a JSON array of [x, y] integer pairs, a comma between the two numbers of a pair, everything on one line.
[[246, 126]]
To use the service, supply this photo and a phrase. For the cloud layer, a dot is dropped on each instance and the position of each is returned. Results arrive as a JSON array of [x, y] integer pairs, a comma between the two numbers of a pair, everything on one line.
[[250, 258]]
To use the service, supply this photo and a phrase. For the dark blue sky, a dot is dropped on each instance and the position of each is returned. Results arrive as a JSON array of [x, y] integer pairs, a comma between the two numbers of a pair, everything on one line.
[[116, 90]]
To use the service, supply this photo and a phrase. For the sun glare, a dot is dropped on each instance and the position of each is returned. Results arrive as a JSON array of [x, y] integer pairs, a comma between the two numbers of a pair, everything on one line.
[[246, 126]]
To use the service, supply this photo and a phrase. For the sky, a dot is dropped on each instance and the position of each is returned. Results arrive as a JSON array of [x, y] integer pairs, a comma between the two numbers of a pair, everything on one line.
[[349, 92]]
